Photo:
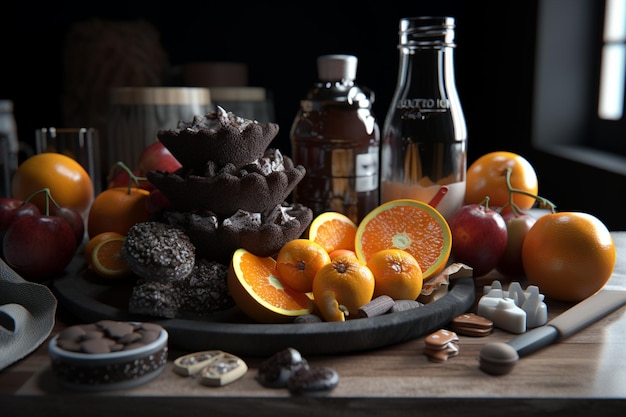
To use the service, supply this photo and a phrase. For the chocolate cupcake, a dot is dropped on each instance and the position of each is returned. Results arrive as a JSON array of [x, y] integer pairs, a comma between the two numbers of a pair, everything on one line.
[[220, 137], [256, 187], [262, 234]]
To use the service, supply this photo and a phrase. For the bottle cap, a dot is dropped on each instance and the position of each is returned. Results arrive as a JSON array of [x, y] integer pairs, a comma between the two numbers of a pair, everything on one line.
[[337, 67], [427, 32]]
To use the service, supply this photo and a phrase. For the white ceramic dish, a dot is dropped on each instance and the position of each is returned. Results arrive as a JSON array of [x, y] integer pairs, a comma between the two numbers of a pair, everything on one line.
[[108, 371]]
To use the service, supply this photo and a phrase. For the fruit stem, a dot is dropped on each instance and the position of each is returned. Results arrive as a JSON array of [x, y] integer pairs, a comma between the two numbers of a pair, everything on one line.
[[132, 178], [543, 202], [49, 198], [485, 202]]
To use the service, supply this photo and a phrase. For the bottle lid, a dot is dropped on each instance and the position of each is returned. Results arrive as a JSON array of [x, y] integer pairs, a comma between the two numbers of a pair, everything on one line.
[[337, 67], [427, 32]]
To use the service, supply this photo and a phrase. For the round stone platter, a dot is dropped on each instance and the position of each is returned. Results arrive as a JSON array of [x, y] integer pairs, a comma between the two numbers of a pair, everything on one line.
[[91, 298]]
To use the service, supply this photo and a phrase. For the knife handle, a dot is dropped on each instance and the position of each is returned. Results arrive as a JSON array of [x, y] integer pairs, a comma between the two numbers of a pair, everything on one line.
[[534, 340]]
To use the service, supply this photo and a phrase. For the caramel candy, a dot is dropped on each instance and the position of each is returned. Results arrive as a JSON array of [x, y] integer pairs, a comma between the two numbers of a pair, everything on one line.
[[470, 324], [441, 345]]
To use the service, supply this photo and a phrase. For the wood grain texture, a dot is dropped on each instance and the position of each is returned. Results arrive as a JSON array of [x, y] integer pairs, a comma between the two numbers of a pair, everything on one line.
[[584, 374]]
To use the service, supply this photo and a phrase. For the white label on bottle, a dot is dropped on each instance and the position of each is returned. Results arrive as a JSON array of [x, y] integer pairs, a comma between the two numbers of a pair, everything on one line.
[[367, 171]]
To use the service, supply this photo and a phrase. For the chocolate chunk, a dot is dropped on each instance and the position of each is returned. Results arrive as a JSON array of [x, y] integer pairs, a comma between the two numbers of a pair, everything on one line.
[[276, 370], [403, 305], [312, 380], [100, 345], [307, 318], [130, 338], [376, 307], [118, 329], [71, 333]]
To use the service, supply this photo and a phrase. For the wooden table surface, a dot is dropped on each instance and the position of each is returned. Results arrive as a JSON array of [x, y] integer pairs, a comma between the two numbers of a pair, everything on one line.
[[582, 375]]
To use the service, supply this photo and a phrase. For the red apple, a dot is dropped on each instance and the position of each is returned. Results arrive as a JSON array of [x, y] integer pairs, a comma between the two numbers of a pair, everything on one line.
[[156, 157], [38, 246], [517, 226], [11, 209], [120, 178], [479, 237], [156, 201], [73, 217]]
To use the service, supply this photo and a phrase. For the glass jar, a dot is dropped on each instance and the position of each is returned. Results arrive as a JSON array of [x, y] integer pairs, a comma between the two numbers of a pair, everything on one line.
[[336, 137]]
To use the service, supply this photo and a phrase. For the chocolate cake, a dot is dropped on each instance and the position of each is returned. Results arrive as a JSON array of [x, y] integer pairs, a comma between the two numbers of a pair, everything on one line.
[[230, 193], [219, 136]]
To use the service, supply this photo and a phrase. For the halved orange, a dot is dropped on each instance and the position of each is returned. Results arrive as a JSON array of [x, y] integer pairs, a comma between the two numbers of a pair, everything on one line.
[[94, 241], [411, 225], [107, 259], [257, 289], [333, 230]]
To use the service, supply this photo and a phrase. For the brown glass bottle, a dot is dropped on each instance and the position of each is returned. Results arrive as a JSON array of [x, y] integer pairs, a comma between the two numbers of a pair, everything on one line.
[[336, 137]]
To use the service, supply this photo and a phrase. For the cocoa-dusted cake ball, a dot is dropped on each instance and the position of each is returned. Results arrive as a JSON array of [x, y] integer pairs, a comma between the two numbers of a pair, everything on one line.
[[205, 290], [155, 298], [159, 251]]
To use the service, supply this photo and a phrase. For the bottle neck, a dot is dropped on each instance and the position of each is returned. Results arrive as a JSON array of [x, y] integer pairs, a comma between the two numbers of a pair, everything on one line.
[[343, 93], [427, 71]]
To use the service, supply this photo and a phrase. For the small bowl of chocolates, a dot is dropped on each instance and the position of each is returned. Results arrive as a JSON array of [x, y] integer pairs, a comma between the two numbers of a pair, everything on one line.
[[108, 355]]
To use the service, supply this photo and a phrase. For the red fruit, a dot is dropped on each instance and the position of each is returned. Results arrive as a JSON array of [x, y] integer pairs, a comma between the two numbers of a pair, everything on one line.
[[479, 237], [39, 247], [517, 226], [156, 157], [74, 219], [156, 201], [13, 208]]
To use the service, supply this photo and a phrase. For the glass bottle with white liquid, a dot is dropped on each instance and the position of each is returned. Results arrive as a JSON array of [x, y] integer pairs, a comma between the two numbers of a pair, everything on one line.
[[424, 138]]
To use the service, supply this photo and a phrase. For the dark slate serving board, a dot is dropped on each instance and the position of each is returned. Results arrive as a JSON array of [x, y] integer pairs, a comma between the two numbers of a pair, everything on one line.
[[90, 298]]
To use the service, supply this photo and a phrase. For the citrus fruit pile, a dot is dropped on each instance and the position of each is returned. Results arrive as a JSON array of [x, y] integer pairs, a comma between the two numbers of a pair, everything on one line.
[[341, 266], [568, 255]]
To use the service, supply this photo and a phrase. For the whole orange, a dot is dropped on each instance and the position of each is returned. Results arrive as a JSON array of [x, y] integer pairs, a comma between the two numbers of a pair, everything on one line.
[[486, 176], [69, 183], [568, 255], [342, 252], [117, 210], [396, 274], [298, 261], [341, 287]]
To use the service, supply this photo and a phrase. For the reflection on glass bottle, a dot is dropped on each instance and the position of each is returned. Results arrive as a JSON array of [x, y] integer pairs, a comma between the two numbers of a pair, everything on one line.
[[424, 142], [336, 137]]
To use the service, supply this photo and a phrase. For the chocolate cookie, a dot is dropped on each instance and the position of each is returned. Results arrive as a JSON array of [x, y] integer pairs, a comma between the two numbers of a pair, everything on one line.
[[159, 251]]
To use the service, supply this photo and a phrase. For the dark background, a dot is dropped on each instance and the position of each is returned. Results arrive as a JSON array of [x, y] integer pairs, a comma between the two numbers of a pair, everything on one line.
[[494, 55], [494, 62]]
